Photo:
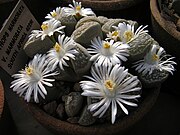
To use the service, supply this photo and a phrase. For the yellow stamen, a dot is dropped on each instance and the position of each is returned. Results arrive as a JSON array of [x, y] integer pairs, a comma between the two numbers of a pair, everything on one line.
[[57, 47], [54, 14], [44, 26], [109, 85], [106, 45], [115, 33], [128, 35], [155, 57], [29, 70], [78, 8]]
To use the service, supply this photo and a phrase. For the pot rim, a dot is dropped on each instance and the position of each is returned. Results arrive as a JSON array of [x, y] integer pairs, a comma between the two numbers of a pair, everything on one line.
[[121, 125], [161, 21], [107, 5], [1, 98]]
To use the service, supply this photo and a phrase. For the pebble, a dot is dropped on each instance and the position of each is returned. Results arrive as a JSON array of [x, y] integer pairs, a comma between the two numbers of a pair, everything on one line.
[[86, 118], [73, 120], [73, 104], [60, 111], [50, 108], [64, 98]]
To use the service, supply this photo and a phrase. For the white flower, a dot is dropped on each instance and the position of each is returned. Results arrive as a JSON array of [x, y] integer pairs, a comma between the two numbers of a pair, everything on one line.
[[106, 53], [55, 14], [63, 50], [112, 86], [127, 33], [113, 35], [31, 79], [155, 59], [77, 10], [48, 29]]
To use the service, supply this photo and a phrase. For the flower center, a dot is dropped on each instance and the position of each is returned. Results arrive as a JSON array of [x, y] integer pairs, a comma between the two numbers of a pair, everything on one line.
[[29, 70], [155, 57], [44, 27], [54, 14], [128, 35], [115, 33], [109, 85], [106, 45], [78, 8], [57, 47]]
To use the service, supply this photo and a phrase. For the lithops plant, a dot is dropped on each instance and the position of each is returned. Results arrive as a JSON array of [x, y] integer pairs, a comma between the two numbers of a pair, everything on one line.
[[36, 45], [87, 19], [107, 27], [70, 23], [86, 32], [140, 46], [77, 67], [40, 41], [155, 67]]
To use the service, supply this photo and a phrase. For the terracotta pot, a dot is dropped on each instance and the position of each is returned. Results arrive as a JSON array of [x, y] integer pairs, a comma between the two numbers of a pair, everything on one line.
[[1, 99], [169, 38], [120, 126], [107, 5]]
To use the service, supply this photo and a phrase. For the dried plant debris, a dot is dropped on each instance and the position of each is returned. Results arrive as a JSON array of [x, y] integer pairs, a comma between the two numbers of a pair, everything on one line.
[[170, 10]]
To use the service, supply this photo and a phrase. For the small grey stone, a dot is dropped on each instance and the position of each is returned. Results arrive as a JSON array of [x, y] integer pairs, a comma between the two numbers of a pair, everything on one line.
[[73, 104], [60, 111], [86, 32], [77, 87], [70, 22], [36, 45], [87, 19], [86, 118], [73, 120], [64, 98], [50, 108]]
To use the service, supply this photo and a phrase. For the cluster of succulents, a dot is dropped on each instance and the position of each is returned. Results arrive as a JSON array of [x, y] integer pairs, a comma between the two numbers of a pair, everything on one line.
[[86, 68]]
